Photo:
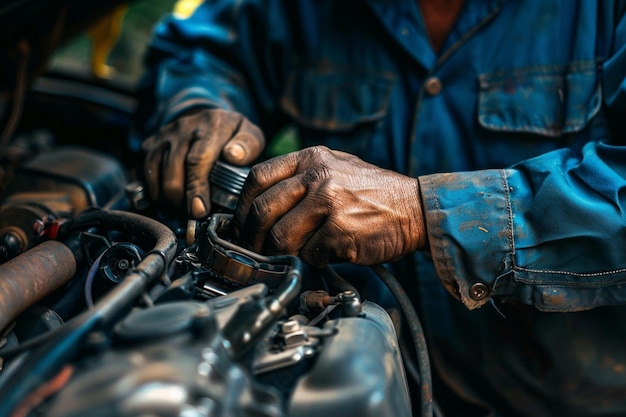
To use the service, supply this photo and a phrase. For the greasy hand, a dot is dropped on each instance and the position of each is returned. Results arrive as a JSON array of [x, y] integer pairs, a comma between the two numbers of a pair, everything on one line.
[[180, 156], [327, 206]]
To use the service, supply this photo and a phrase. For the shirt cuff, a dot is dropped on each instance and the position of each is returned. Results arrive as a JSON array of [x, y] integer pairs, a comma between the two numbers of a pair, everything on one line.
[[470, 230]]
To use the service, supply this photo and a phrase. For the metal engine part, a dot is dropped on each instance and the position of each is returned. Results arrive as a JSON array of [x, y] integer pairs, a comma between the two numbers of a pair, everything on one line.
[[348, 380], [54, 185], [235, 264], [173, 360], [211, 329], [226, 183], [169, 360], [69, 180]]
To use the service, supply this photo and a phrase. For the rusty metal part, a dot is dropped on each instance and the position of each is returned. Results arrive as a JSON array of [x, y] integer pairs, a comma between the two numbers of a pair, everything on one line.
[[315, 301], [18, 231], [33, 275]]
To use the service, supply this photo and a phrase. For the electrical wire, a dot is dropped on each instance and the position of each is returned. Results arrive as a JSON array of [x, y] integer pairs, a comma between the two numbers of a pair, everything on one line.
[[90, 279], [337, 282], [417, 334], [44, 391]]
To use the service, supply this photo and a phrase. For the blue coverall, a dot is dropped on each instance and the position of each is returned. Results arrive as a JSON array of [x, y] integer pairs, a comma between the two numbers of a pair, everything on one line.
[[516, 131]]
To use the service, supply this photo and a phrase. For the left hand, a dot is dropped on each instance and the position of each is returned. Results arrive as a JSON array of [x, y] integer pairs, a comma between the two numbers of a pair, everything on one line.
[[180, 156], [327, 206]]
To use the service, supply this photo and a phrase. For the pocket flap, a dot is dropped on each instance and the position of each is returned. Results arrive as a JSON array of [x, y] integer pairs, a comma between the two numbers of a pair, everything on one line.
[[550, 101]]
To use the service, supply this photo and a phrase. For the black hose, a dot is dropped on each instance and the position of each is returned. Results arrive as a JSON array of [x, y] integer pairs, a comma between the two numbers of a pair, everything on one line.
[[417, 334], [46, 360], [131, 223], [337, 282]]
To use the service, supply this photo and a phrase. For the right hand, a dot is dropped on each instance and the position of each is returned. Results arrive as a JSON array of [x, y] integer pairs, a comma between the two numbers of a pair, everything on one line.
[[327, 206], [180, 156]]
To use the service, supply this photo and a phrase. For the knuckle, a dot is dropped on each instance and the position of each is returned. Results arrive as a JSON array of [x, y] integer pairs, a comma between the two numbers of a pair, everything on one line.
[[319, 151], [259, 175], [256, 133], [198, 153], [224, 118], [318, 161]]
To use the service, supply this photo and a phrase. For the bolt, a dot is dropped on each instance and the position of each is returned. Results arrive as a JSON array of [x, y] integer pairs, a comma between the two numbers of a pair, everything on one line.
[[123, 264]]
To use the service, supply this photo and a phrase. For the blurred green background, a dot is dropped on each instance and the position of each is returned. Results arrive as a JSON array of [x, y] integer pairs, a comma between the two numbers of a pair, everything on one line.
[[126, 57]]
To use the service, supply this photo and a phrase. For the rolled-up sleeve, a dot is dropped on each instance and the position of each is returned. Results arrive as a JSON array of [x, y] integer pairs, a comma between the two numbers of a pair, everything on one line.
[[548, 232]]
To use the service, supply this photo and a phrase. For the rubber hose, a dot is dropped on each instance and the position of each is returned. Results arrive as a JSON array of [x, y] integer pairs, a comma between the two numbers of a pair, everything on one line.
[[31, 276], [46, 360]]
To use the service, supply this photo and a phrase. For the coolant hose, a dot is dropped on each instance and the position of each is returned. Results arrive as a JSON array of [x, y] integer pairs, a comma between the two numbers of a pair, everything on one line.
[[33, 275]]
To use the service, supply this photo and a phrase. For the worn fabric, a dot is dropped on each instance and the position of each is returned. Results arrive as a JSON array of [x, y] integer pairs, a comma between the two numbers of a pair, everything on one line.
[[515, 131]]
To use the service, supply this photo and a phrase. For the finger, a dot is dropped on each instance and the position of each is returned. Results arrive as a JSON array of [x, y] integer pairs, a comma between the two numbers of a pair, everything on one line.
[[218, 128], [173, 170], [200, 160], [268, 208], [261, 177], [152, 169], [246, 146], [292, 231], [203, 153]]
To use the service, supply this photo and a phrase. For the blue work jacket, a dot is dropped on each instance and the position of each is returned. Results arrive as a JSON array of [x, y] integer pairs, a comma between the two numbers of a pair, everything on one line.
[[515, 131]]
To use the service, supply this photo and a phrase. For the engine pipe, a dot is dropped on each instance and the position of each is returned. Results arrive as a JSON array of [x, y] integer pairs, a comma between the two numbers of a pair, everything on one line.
[[46, 360], [253, 319], [33, 275]]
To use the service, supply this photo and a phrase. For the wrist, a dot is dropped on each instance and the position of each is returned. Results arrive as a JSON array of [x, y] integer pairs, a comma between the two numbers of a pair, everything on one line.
[[413, 223], [419, 227]]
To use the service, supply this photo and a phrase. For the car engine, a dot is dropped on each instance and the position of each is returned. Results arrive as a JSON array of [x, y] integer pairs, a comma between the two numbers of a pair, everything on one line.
[[110, 309]]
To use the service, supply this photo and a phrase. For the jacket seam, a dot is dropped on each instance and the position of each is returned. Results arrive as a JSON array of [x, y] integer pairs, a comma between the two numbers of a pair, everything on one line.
[[509, 208]]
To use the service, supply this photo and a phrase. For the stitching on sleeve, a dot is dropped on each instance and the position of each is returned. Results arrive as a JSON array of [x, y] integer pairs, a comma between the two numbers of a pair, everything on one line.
[[507, 196], [440, 245]]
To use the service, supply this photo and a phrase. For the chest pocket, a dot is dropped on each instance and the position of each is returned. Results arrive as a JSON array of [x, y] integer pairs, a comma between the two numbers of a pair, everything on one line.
[[338, 108], [547, 101]]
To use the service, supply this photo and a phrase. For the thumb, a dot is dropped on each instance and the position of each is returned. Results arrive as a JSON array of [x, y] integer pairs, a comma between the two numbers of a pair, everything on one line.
[[245, 146]]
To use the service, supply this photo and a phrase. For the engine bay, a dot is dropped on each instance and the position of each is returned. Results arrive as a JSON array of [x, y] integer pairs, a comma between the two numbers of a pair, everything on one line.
[[109, 308]]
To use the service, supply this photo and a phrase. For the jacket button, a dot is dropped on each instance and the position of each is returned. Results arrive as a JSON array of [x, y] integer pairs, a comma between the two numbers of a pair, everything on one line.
[[433, 86], [478, 291]]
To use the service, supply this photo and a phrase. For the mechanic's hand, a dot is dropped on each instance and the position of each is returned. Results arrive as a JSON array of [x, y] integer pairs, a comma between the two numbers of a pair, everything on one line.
[[180, 156], [327, 206]]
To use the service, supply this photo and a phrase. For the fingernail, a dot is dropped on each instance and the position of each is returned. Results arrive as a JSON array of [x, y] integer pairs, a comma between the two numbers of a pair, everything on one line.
[[235, 151], [198, 209]]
